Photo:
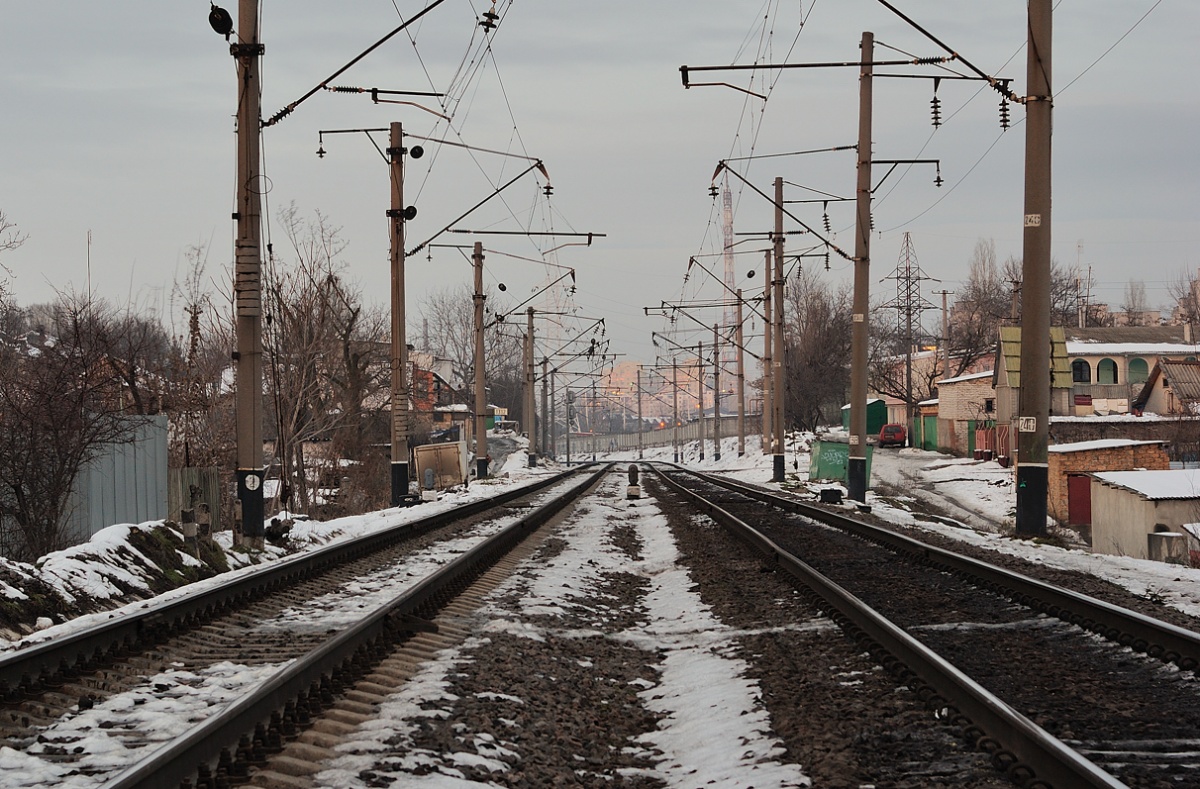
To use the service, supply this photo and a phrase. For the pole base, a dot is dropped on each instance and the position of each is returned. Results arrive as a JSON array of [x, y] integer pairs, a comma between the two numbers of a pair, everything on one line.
[[1032, 487], [399, 484], [481, 468], [778, 468], [533, 460], [251, 498], [856, 479]]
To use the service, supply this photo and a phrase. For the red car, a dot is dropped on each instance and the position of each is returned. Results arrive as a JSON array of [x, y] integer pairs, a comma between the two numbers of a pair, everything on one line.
[[893, 435]]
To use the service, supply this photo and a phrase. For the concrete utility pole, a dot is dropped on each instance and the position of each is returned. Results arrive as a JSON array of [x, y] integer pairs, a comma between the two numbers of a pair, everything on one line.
[[481, 448], [768, 319], [777, 420], [551, 412], [700, 392], [945, 332], [856, 471], [675, 407], [548, 448], [247, 277], [530, 416], [400, 411], [741, 379], [639, 407], [1033, 422], [592, 420], [716, 392]]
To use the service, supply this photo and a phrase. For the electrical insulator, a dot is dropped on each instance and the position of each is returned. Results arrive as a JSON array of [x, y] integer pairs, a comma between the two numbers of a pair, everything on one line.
[[489, 19], [936, 104], [1003, 113], [712, 191], [825, 216], [827, 260], [938, 180], [548, 190]]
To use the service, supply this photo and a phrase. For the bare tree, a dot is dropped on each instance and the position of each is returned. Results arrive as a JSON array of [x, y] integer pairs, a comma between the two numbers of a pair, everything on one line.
[[1134, 305], [59, 405], [324, 361], [984, 302], [203, 421], [817, 344], [10, 239], [1185, 291], [449, 314], [889, 358]]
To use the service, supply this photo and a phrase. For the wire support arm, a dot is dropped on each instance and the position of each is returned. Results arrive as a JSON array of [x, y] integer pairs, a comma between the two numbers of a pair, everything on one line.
[[535, 166], [289, 109], [841, 253]]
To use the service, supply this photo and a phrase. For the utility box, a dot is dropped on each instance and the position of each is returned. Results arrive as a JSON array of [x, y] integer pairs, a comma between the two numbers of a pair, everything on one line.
[[447, 461], [831, 460]]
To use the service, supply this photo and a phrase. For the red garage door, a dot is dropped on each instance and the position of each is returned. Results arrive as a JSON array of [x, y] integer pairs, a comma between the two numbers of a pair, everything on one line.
[[1079, 500]]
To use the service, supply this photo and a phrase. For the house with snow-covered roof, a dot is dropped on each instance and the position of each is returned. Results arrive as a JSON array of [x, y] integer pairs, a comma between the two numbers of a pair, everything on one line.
[[1110, 365], [1141, 514], [1071, 465], [967, 413]]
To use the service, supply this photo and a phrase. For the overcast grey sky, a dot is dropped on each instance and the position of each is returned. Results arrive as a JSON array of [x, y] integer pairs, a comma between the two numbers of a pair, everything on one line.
[[117, 120]]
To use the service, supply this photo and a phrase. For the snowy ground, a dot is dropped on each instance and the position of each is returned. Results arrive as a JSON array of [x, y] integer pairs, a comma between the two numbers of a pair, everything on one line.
[[680, 628], [982, 492], [979, 491]]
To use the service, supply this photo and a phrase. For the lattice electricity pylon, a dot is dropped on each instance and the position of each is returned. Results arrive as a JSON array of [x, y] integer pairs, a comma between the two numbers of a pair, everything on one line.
[[909, 302]]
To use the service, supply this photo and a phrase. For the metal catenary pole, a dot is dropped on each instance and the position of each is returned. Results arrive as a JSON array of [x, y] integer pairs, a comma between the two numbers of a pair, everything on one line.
[[1034, 411], [481, 448], [247, 283], [856, 471], [400, 394]]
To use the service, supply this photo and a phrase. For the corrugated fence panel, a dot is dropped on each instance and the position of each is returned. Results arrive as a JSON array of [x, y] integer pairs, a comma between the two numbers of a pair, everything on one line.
[[127, 483]]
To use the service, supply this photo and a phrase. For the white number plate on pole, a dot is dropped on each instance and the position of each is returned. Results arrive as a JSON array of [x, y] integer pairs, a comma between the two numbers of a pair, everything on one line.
[[1027, 424]]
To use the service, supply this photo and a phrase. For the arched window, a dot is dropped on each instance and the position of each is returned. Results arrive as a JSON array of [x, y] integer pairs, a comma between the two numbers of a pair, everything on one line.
[[1106, 371], [1081, 371], [1139, 371]]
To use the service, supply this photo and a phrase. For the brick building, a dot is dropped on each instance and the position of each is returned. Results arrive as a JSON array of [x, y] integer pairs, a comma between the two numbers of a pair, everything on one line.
[[1072, 464], [965, 404]]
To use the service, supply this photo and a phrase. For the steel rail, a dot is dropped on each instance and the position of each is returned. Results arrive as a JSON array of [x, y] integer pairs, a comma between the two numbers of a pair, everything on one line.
[[1161, 640], [1016, 744], [24, 668], [328, 668]]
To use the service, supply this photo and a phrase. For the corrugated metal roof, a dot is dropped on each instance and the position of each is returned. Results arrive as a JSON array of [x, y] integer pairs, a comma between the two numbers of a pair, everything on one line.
[[1009, 362], [1183, 378], [1128, 334]]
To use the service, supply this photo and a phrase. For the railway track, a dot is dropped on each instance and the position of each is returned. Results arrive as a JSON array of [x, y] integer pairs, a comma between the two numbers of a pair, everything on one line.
[[1060, 689], [183, 662]]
